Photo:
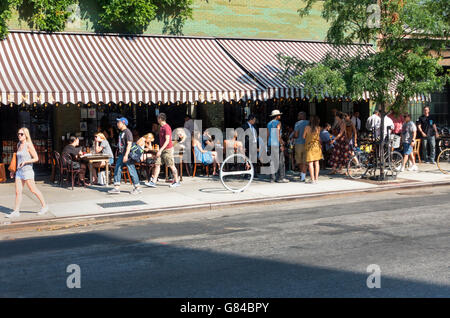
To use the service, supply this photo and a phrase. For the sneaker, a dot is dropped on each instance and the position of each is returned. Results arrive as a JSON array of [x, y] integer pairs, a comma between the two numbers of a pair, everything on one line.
[[282, 181], [413, 168], [150, 184], [136, 191], [43, 210], [175, 184], [14, 214], [402, 169], [114, 191]]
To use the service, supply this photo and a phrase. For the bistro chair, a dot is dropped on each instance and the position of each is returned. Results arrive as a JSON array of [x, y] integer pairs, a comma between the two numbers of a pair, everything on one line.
[[72, 172], [204, 167], [416, 149], [60, 167], [125, 173], [180, 166]]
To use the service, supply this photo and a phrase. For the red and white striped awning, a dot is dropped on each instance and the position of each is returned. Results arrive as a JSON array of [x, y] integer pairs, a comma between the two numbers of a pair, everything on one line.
[[259, 58], [81, 68]]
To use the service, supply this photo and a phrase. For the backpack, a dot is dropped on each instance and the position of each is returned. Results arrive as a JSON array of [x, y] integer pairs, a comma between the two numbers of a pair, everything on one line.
[[135, 153]]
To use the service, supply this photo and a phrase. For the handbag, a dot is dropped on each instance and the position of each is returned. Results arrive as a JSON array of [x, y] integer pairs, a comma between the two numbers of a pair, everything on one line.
[[13, 165], [102, 178]]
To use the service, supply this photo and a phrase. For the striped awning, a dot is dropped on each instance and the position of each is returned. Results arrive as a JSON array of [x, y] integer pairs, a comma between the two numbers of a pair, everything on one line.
[[259, 57], [82, 68]]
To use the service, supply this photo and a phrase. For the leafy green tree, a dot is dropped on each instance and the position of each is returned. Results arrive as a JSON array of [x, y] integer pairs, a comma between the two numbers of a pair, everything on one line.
[[405, 34], [46, 15], [134, 16], [5, 15]]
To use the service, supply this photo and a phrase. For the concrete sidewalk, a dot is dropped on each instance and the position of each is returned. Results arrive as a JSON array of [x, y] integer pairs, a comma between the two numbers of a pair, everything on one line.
[[195, 193]]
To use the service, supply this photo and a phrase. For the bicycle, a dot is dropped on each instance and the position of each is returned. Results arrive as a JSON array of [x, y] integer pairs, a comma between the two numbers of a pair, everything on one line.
[[443, 160], [365, 162]]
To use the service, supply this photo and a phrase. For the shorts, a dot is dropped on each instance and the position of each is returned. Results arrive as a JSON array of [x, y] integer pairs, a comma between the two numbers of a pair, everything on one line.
[[166, 158], [300, 154], [407, 149], [25, 175]]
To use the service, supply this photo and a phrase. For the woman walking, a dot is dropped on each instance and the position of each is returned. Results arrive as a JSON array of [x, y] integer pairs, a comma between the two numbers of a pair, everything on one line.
[[26, 156], [313, 147], [342, 150]]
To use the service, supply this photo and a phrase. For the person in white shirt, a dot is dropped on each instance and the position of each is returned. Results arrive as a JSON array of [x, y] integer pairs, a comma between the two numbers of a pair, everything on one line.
[[388, 123], [373, 122]]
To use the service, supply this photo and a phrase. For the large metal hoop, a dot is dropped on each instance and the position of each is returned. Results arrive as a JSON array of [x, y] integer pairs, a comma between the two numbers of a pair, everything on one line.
[[236, 173]]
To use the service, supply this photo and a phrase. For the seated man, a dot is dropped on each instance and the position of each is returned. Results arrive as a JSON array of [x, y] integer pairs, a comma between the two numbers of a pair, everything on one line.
[[73, 150]]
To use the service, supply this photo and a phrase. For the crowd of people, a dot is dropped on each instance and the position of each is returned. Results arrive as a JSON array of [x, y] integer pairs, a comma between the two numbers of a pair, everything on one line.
[[311, 143]]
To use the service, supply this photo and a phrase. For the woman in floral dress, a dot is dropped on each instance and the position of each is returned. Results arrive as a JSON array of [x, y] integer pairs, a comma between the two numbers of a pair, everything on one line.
[[342, 150]]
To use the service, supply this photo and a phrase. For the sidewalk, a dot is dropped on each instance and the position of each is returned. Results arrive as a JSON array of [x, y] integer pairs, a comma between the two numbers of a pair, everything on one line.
[[195, 193]]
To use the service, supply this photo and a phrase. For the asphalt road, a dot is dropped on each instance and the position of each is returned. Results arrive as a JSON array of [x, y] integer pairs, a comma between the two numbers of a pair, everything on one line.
[[309, 248]]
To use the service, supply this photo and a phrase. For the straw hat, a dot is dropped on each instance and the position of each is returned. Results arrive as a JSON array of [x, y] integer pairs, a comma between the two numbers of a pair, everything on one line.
[[275, 112]]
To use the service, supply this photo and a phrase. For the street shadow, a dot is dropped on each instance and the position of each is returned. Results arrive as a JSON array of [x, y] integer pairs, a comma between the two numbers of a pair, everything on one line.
[[124, 264]]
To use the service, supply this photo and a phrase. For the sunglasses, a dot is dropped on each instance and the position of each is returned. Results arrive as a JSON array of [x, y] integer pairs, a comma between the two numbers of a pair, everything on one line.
[[20, 134]]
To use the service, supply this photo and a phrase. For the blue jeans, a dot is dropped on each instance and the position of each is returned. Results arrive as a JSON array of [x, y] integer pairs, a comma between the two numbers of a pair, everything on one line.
[[432, 141], [131, 170]]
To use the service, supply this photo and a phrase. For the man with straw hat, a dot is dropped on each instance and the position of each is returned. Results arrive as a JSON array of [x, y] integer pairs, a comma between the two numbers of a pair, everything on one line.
[[276, 146]]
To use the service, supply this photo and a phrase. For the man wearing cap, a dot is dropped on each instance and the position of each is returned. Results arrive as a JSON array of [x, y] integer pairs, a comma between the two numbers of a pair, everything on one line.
[[124, 146], [276, 144]]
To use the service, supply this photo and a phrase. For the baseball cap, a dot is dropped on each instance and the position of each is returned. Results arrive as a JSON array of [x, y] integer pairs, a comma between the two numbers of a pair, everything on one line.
[[123, 119]]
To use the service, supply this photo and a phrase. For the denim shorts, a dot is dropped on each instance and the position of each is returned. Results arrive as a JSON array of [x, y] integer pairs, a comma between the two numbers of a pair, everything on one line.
[[407, 149]]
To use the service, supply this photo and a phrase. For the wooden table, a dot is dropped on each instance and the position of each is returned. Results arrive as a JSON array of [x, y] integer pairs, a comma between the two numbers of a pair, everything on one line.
[[92, 158]]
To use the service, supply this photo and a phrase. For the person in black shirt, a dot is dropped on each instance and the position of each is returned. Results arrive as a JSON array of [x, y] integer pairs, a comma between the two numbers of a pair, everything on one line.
[[251, 139], [426, 127], [74, 151], [123, 148]]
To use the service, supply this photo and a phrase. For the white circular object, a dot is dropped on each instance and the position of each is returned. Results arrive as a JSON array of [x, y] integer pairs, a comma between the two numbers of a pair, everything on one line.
[[236, 173]]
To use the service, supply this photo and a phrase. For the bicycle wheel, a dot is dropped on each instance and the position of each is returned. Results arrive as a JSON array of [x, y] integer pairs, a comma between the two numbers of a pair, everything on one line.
[[443, 161], [396, 161], [357, 166]]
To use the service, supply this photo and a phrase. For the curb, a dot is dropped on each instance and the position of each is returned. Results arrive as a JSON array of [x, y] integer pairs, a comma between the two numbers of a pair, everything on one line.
[[218, 205]]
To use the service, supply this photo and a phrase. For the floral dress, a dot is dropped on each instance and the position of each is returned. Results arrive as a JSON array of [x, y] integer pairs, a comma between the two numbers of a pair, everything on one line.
[[341, 153]]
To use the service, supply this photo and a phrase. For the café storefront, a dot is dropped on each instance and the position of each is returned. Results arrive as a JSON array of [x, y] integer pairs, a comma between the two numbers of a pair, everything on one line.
[[62, 84], [68, 83]]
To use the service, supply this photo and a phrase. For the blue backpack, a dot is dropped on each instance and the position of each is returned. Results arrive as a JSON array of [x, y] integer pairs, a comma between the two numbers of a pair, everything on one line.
[[135, 153]]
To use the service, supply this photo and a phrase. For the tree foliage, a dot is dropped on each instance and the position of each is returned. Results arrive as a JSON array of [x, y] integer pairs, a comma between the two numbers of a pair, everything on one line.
[[47, 15], [134, 16], [5, 15], [405, 35], [121, 16]]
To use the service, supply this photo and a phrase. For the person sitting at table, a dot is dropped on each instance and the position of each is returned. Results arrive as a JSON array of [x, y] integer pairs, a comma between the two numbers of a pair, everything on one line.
[[101, 146], [146, 143], [74, 151], [233, 144], [202, 155]]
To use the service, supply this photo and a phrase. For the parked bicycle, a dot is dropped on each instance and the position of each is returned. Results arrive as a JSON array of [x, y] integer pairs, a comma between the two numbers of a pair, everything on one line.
[[443, 160], [365, 161]]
